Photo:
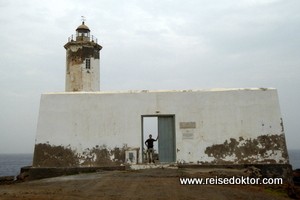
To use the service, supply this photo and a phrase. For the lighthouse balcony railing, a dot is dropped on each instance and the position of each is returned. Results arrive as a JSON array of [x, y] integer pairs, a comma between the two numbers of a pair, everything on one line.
[[90, 39]]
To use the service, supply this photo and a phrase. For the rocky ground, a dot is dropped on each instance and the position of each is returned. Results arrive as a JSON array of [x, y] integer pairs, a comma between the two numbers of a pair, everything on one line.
[[138, 184]]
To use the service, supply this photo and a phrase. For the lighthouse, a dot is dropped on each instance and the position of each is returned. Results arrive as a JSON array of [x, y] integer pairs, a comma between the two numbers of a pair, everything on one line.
[[82, 61], [85, 130]]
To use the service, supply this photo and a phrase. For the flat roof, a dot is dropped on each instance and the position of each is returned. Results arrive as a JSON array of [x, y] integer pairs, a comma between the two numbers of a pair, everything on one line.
[[164, 91]]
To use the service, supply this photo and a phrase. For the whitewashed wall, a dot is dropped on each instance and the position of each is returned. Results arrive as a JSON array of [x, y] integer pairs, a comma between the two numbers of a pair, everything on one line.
[[84, 120]]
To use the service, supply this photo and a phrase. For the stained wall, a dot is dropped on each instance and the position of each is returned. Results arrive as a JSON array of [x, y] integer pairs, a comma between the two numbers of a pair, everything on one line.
[[218, 126], [78, 77]]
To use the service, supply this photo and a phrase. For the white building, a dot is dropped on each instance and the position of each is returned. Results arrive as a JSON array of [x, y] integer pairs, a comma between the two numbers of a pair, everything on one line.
[[84, 127]]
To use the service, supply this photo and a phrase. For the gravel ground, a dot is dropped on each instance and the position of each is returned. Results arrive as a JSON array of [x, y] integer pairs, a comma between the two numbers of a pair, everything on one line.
[[137, 184]]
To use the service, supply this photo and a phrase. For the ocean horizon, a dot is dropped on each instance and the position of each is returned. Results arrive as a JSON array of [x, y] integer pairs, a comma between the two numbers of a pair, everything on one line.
[[11, 164]]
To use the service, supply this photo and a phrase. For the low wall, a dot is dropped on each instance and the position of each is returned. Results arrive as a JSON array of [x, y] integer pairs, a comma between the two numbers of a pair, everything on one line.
[[33, 173]]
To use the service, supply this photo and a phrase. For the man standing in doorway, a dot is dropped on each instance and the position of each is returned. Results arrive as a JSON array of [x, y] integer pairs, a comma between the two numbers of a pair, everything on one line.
[[150, 150]]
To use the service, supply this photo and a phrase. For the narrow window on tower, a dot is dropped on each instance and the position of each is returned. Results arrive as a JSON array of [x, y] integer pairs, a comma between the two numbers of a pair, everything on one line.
[[88, 63]]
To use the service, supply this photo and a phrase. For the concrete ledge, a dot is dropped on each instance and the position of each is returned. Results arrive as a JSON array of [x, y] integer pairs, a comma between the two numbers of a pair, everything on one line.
[[34, 173], [152, 166], [4, 180]]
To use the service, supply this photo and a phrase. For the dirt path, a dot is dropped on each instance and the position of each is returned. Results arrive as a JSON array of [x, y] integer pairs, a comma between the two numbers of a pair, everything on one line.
[[142, 184]]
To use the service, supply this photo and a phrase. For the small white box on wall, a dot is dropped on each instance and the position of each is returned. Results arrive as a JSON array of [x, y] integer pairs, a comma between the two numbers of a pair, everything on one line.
[[131, 156]]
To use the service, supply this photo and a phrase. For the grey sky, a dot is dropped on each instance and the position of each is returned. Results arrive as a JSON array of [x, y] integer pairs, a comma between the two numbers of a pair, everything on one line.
[[148, 45]]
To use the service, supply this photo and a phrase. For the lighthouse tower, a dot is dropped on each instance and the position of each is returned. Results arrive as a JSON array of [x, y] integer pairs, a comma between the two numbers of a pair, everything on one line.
[[82, 61]]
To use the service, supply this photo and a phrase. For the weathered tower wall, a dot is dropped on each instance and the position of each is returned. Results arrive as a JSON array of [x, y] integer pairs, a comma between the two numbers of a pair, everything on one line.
[[230, 126], [82, 61], [82, 66]]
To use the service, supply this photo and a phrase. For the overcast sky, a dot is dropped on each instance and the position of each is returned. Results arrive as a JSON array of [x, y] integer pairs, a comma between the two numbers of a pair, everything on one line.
[[149, 45]]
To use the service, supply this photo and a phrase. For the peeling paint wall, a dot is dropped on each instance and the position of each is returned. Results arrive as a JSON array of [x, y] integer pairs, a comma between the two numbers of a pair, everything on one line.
[[233, 126], [46, 155], [264, 148], [78, 77]]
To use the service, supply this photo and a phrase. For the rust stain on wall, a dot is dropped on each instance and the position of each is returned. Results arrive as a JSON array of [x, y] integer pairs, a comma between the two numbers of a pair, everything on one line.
[[79, 56], [54, 156], [103, 156], [281, 124], [46, 155], [257, 150], [79, 70]]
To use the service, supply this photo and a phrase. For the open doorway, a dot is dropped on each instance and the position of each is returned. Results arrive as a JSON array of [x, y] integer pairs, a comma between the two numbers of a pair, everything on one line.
[[150, 126], [162, 127]]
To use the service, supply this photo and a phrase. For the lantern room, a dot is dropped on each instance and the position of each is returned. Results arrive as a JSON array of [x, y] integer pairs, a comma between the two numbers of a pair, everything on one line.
[[82, 33]]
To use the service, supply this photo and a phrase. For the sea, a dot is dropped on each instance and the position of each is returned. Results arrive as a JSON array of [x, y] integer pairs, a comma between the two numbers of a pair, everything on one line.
[[10, 164]]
